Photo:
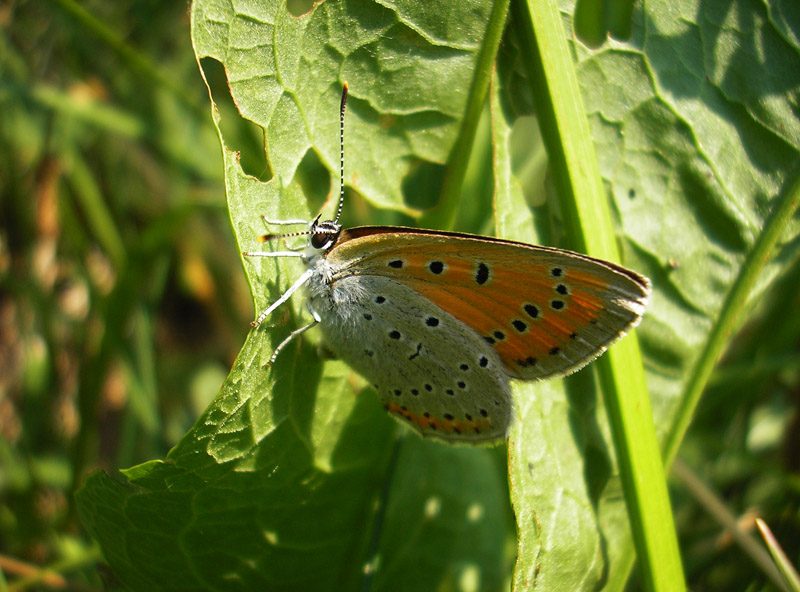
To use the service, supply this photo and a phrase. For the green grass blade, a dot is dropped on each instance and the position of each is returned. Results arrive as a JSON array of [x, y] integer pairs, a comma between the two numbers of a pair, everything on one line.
[[590, 229], [727, 322], [444, 214], [787, 570], [715, 507], [98, 215]]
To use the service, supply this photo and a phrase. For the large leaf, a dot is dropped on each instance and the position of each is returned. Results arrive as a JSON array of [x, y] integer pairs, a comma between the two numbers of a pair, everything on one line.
[[294, 478]]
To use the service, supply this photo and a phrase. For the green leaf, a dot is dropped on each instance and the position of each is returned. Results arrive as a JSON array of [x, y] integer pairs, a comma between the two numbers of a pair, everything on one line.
[[294, 477], [410, 71]]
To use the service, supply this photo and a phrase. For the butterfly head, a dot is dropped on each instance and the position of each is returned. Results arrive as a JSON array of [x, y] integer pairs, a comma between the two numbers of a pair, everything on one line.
[[323, 235]]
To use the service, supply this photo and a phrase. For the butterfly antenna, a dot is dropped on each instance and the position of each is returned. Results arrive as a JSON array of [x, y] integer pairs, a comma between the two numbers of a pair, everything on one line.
[[342, 107], [265, 238]]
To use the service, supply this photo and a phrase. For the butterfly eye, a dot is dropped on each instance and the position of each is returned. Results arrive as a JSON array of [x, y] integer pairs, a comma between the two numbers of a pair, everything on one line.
[[324, 234], [320, 240]]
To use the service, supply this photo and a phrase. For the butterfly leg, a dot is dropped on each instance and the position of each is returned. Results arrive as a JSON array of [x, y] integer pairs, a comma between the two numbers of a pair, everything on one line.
[[284, 297], [292, 221], [272, 253], [289, 338]]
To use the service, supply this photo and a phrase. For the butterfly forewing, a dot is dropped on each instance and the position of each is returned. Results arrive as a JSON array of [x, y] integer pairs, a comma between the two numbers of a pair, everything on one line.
[[545, 312]]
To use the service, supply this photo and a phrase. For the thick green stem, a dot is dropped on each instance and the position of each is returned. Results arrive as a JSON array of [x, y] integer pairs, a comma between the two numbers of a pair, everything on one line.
[[566, 132], [444, 214]]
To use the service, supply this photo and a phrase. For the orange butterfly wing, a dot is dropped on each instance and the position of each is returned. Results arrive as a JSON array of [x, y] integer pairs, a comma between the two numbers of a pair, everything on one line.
[[547, 312]]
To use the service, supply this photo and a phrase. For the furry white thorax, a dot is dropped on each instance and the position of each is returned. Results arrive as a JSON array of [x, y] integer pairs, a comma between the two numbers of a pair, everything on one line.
[[329, 296]]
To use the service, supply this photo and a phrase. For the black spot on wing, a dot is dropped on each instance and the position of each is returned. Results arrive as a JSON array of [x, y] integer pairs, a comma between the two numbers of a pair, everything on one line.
[[482, 274], [436, 267], [531, 310]]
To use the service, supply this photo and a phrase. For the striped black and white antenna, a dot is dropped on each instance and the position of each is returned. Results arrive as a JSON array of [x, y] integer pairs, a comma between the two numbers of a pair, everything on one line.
[[342, 108], [283, 235]]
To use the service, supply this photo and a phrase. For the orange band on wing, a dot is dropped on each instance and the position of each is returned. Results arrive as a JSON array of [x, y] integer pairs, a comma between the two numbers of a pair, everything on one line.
[[448, 426]]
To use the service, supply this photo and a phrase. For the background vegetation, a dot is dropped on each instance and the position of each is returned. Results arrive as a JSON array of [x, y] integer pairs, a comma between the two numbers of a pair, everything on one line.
[[123, 305]]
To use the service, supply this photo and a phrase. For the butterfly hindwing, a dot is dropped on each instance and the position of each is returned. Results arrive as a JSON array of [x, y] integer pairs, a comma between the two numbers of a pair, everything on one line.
[[428, 368]]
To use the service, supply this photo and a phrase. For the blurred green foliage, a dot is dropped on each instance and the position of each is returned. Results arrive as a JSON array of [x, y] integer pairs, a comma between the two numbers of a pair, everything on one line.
[[121, 299]]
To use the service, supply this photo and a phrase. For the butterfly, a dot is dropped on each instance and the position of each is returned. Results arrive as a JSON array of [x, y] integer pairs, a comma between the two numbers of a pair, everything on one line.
[[440, 322]]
